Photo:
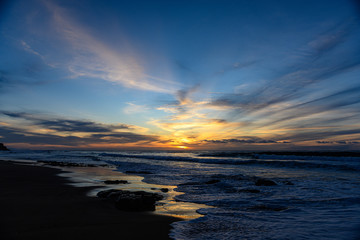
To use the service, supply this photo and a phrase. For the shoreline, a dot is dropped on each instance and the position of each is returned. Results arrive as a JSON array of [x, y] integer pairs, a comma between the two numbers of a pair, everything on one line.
[[36, 203]]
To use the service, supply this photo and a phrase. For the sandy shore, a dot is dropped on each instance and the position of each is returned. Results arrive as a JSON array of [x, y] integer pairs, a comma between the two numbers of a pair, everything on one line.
[[37, 204]]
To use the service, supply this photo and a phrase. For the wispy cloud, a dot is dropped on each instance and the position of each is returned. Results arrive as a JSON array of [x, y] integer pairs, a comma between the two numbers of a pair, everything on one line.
[[321, 134], [92, 58], [23, 77], [15, 136], [133, 108], [243, 140], [185, 107], [300, 96], [235, 66], [32, 51], [4, 80], [339, 142], [29, 49], [316, 62]]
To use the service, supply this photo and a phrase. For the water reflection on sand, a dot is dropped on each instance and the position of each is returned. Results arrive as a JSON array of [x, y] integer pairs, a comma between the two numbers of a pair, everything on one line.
[[95, 177]]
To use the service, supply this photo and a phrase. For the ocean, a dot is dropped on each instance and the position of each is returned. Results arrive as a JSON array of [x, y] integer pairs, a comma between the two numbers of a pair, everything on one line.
[[234, 195]]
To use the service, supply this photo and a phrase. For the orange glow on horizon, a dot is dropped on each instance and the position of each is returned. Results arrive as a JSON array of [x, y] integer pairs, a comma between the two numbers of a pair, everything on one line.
[[182, 147]]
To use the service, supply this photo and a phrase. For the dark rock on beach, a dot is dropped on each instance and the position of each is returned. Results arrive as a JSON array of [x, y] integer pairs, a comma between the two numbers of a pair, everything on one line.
[[69, 164], [264, 182], [288, 183], [164, 190], [212, 181], [116, 182], [132, 201], [3, 147]]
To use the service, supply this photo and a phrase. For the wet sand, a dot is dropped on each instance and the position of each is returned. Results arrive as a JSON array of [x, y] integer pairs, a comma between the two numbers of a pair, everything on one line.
[[35, 203]]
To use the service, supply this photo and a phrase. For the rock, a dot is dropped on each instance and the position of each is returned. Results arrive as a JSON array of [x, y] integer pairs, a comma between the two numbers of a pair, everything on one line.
[[3, 147], [68, 164], [212, 181], [106, 193], [116, 182], [264, 182], [132, 201], [288, 183]]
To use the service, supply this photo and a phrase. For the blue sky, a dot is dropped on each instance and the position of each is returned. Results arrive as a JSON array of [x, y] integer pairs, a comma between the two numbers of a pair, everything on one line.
[[180, 74]]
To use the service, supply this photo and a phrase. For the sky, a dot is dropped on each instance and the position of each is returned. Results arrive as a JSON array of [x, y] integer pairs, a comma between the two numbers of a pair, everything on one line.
[[194, 75]]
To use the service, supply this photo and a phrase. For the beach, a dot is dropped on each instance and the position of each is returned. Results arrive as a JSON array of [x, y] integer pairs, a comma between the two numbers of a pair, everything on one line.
[[216, 195], [37, 204]]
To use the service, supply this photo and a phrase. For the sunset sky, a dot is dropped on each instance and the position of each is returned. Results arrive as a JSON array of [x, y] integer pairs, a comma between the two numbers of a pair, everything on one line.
[[212, 74]]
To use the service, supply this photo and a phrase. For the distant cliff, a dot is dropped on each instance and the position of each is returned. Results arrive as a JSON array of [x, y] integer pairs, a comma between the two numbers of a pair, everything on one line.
[[3, 148]]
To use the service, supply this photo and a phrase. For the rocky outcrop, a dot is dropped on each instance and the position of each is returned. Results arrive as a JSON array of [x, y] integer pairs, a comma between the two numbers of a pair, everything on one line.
[[288, 183], [116, 182], [212, 181], [3, 147], [164, 190], [70, 164], [264, 182], [132, 201]]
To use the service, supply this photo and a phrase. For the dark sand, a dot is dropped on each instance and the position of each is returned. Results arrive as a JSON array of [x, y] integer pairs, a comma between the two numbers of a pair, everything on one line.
[[37, 204]]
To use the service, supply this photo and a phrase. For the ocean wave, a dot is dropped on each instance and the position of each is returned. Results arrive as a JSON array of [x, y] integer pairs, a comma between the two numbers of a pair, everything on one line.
[[275, 154], [265, 160]]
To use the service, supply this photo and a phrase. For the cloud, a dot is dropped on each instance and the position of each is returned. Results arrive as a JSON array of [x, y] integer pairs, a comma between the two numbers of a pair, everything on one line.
[[330, 103], [183, 96], [133, 108], [92, 58], [236, 66], [22, 127], [4, 80], [29, 49], [10, 79], [194, 131], [78, 126], [14, 135], [317, 65], [184, 107], [306, 101], [65, 125], [323, 58], [330, 39], [184, 67], [244, 140], [339, 142], [24, 71]]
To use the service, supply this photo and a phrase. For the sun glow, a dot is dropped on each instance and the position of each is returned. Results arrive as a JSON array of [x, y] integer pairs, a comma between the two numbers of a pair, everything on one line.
[[182, 147]]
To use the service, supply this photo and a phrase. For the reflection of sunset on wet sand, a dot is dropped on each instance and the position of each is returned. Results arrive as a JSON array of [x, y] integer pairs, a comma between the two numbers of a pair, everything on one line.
[[95, 177]]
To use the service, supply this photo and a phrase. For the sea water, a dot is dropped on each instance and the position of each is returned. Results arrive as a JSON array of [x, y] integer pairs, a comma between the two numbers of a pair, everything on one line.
[[243, 196]]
